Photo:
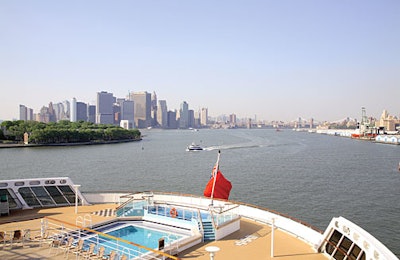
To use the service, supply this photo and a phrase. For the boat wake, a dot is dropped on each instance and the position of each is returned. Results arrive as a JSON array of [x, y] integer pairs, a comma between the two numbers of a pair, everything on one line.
[[229, 147]]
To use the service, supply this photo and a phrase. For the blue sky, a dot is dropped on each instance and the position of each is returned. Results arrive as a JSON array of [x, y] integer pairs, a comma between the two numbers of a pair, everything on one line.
[[278, 60]]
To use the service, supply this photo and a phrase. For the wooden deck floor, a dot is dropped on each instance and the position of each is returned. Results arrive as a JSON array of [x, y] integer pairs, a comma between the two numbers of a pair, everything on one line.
[[252, 241]]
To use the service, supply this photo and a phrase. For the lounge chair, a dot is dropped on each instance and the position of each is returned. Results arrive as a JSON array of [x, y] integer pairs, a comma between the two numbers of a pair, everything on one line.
[[100, 254], [90, 252], [3, 238], [77, 249], [56, 242], [43, 238], [112, 256], [67, 246]]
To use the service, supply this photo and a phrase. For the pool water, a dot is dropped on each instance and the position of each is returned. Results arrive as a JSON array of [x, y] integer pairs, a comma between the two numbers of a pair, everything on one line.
[[142, 235]]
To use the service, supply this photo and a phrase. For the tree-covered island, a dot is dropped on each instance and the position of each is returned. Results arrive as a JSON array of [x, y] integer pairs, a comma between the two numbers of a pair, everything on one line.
[[64, 132]]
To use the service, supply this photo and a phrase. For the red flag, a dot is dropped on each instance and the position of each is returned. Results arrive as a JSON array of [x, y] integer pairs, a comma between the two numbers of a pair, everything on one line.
[[222, 187]]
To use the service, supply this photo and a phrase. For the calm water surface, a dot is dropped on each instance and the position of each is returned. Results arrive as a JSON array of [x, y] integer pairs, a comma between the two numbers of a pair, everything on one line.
[[311, 177]]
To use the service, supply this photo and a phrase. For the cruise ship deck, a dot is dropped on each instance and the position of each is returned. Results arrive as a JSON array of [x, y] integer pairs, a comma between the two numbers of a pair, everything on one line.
[[251, 241]]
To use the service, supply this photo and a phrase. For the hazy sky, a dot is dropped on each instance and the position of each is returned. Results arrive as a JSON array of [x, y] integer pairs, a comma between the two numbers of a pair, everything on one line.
[[278, 60]]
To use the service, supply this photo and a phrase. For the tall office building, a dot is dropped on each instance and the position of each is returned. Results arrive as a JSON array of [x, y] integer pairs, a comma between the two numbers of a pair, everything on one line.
[[59, 111], [162, 114], [104, 108], [23, 112], [116, 113], [81, 111], [128, 112], [52, 113], [67, 110], [142, 108], [91, 112], [232, 119], [44, 115], [154, 109], [29, 114], [191, 118], [172, 122], [73, 110], [184, 115], [204, 116]]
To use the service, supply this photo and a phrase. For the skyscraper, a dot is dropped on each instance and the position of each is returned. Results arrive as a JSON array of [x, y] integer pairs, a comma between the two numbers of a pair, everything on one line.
[[104, 108], [154, 109], [81, 111], [73, 110], [204, 116], [91, 112], [23, 112], [142, 108], [128, 112], [162, 114], [172, 123], [184, 115]]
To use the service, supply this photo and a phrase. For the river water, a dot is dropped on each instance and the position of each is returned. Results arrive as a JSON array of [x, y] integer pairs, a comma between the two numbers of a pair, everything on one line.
[[308, 176]]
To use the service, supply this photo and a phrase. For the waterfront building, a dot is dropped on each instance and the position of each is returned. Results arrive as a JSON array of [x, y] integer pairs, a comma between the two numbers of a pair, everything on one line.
[[127, 124], [204, 116], [184, 115], [232, 120], [388, 122], [104, 108], [162, 114], [142, 108], [172, 122], [249, 123]]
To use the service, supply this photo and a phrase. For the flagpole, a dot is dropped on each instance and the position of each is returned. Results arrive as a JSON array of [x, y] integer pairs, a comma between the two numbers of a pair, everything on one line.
[[214, 174]]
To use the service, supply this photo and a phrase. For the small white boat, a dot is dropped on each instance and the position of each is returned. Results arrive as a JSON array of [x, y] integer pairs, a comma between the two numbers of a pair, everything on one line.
[[194, 147]]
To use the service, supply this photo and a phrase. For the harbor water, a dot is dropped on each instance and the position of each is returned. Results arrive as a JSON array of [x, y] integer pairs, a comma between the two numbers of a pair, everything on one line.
[[310, 177]]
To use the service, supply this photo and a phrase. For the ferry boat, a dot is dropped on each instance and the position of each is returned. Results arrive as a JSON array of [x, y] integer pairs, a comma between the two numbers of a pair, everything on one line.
[[224, 228], [194, 147]]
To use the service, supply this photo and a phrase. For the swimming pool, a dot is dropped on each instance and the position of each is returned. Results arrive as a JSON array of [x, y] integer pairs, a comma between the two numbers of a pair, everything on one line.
[[138, 232]]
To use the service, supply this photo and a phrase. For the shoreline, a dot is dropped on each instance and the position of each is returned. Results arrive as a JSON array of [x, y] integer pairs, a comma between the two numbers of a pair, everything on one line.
[[19, 145]]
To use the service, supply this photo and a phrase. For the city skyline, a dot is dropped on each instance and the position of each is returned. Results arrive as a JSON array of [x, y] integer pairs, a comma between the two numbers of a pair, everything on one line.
[[270, 59]]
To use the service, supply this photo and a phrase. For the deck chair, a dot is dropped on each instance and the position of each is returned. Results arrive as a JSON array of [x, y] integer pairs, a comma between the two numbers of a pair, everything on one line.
[[113, 255], [90, 252], [3, 238], [67, 246], [100, 254], [77, 249], [56, 242], [45, 238]]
